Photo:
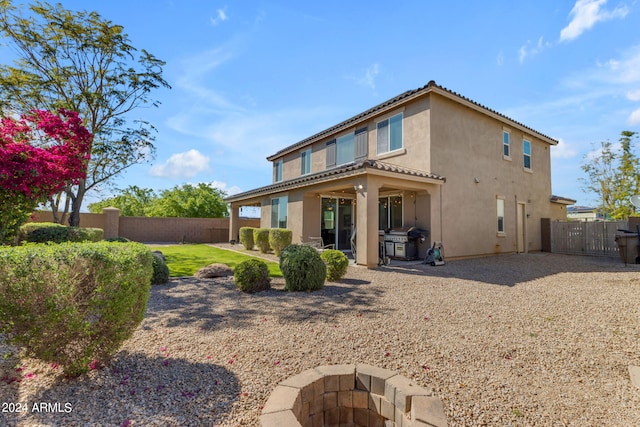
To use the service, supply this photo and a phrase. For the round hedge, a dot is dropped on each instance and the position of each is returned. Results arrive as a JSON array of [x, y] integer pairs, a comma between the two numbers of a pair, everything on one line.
[[302, 268], [337, 263], [252, 275]]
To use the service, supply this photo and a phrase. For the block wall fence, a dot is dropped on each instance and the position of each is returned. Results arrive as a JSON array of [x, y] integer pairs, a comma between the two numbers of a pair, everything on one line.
[[155, 229]]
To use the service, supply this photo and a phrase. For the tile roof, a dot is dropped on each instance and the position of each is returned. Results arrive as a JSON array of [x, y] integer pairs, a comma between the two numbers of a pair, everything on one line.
[[391, 103], [356, 168]]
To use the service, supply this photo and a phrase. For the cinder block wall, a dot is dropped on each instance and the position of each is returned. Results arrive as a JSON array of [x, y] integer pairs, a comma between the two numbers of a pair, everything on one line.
[[168, 230]]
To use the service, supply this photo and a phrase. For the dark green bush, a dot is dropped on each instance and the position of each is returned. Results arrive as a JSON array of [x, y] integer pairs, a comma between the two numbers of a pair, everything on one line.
[[73, 303], [302, 268], [337, 263], [160, 270], [261, 239], [252, 275], [279, 238], [117, 239], [246, 237], [43, 232]]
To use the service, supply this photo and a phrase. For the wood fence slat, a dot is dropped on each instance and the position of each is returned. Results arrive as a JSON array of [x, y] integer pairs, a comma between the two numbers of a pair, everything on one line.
[[595, 238]]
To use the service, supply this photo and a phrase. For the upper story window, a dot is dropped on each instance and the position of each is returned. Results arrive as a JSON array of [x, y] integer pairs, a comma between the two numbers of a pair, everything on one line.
[[277, 171], [389, 134], [305, 162], [526, 151], [506, 140], [344, 146]]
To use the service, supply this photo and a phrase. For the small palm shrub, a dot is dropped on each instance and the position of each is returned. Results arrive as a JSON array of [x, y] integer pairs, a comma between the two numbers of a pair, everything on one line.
[[252, 275], [73, 303], [246, 237], [261, 239], [279, 238], [302, 268], [160, 270], [337, 263]]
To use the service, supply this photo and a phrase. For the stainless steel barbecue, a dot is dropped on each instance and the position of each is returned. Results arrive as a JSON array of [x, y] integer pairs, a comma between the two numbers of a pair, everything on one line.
[[402, 243]]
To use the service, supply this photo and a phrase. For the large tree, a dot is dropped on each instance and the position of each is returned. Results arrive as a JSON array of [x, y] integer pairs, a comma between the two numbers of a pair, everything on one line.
[[132, 201], [613, 175], [184, 201], [80, 62], [189, 201]]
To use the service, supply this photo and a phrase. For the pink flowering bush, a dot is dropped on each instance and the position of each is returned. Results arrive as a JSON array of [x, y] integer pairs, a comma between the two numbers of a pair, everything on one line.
[[40, 153]]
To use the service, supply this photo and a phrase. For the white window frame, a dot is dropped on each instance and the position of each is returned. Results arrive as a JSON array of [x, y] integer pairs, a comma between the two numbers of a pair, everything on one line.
[[526, 155], [500, 222], [277, 175], [506, 144], [305, 162], [388, 120], [283, 201]]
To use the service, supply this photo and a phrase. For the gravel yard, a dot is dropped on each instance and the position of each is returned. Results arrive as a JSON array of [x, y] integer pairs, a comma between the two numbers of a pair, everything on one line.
[[522, 340]]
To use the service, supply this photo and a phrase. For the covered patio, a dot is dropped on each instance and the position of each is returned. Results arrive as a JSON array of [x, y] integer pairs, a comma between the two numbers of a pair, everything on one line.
[[363, 197]]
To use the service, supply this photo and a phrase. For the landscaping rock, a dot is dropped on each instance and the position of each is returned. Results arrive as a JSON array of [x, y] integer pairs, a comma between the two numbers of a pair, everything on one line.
[[212, 271]]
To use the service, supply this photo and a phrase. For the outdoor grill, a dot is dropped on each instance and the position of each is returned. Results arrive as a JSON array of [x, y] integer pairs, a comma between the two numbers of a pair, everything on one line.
[[402, 243]]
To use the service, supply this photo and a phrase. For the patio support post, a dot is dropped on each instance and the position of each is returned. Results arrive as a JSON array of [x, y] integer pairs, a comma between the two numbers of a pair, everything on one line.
[[234, 222], [367, 224]]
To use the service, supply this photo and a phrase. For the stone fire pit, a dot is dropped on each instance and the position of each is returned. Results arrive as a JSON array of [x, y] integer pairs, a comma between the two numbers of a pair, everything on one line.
[[351, 395]]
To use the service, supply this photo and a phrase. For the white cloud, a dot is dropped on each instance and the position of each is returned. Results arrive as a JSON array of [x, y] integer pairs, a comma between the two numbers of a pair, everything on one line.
[[369, 78], [500, 59], [634, 118], [563, 150], [182, 165], [585, 14], [221, 16], [530, 49], [223, 186], [633, 95]]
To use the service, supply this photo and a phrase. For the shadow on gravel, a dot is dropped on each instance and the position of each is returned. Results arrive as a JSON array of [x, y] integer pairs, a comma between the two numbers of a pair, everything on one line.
[[188, 301], [152, 389], [512, 269]]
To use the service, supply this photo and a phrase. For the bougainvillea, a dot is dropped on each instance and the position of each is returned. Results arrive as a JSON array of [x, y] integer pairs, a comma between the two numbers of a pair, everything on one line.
[[40, 153]]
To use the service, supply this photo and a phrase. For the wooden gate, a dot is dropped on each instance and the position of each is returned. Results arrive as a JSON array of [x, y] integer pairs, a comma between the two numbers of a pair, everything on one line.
[[595, 238]]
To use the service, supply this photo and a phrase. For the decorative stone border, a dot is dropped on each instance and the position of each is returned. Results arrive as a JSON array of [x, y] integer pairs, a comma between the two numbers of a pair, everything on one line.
[[351, 395]]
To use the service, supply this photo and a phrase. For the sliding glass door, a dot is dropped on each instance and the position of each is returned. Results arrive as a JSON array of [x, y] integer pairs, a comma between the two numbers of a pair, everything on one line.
[[337, 222]]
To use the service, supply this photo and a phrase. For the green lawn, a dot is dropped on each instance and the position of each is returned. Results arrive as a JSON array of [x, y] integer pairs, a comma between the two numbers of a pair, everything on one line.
[[184, 260]]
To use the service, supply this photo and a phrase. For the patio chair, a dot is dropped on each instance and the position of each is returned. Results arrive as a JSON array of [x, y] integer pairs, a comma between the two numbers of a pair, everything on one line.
[[318, 244]]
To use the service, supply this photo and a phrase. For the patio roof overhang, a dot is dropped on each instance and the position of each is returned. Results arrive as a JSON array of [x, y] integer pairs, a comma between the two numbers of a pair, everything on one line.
[[368, 166]]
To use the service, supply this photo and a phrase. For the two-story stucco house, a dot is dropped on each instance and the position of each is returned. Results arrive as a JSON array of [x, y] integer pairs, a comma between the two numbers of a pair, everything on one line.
[[429, 158]]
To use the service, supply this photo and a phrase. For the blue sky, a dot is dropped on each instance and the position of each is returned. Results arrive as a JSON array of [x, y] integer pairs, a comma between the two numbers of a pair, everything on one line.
[[251, 77]]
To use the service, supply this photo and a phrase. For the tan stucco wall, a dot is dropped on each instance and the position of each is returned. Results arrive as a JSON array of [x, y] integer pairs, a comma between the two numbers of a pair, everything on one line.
[[464, 145], [467, 146]]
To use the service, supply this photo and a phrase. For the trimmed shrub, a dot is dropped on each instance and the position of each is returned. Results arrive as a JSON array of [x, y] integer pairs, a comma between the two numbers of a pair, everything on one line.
[[302, 268], [43, 232], [73, 303], [252, 275], [160, 270], [337, 263], [246, 237], [279, 238], [261, 239]]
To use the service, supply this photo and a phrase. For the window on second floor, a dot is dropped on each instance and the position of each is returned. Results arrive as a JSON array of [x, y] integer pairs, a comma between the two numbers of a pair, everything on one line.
[[526, 151], [389, 134], [305, 162], [277, 171], [506, 139]]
